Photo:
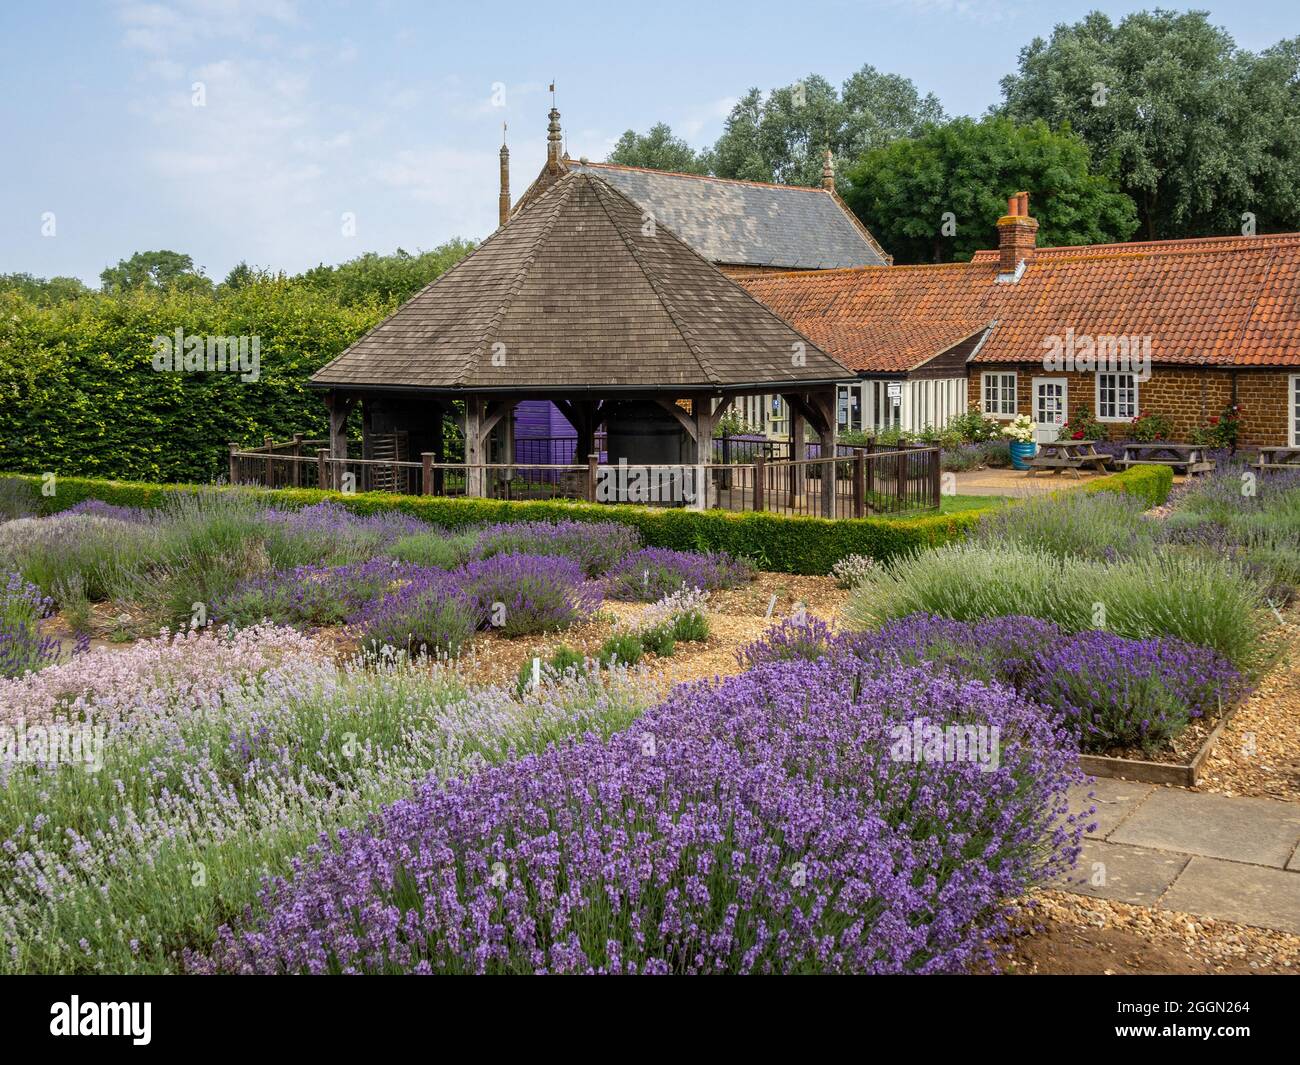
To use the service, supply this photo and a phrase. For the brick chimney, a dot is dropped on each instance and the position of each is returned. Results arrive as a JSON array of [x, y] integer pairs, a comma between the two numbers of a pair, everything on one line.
[[1016, 234], [828, 172], [503, 201]]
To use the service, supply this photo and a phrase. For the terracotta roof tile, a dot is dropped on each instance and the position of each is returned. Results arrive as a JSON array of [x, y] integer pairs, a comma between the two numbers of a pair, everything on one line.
[[1229, 301]]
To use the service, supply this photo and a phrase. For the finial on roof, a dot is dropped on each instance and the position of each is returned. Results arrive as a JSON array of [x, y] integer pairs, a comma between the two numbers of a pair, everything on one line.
[[553, 137], [828, 172], [503, 199]]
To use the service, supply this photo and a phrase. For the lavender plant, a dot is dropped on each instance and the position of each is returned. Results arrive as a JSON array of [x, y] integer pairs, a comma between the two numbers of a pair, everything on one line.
[[595, 546], [728, 831], [654, 572], [23, 648], [522, 594]]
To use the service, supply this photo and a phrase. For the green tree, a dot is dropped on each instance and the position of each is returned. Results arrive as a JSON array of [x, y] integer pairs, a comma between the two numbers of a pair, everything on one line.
[[782, 137], [937, 197], [393, 278], [42, 291], [658, 149], [1198, 131], [157, 270]]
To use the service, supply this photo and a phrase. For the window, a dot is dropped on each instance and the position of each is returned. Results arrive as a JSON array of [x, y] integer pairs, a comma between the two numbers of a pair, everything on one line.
[[849, 408], [1000, 394], [1294, 407], [1117, 397]]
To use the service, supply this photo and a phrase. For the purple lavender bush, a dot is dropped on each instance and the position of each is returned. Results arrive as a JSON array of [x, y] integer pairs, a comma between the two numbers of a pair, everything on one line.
[[432, 613], [653, 572], [1131, 693], [23, 649], [312, 595], [595, 546], [99, 509], [1114, 692], [329, 532], [773, 822], [521, 594]]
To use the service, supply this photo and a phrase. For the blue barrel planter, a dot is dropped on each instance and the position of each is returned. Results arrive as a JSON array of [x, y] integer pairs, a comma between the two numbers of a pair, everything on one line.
[[1021, 453]]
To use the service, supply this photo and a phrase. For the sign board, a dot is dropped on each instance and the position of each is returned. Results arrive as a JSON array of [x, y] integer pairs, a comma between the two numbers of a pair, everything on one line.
[[894, 390]]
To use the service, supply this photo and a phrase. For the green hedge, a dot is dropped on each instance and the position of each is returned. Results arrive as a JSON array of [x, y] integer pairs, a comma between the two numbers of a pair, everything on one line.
[[777, 542], [1151, 484]]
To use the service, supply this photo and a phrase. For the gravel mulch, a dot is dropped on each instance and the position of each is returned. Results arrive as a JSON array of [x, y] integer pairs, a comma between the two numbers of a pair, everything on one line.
[[1064, 934]]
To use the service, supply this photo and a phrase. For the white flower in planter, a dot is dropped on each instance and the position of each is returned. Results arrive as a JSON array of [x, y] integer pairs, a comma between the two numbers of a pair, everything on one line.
[[1020, 429]]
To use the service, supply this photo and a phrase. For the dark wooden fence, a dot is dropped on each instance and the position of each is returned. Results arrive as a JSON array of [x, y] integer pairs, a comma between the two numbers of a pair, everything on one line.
[[856, 483]]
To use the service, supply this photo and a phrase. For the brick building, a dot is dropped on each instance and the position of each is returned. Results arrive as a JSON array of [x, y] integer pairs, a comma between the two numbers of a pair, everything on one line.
[[1182, 328]]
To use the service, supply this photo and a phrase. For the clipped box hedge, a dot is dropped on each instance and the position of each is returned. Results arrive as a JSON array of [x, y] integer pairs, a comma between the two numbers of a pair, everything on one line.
[[776, 542]]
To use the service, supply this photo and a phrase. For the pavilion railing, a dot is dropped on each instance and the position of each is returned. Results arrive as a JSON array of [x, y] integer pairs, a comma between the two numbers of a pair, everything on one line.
[[857, 482]]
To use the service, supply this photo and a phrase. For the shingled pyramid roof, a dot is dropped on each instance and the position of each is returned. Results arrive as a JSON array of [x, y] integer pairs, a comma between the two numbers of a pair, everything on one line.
[[580, 292]]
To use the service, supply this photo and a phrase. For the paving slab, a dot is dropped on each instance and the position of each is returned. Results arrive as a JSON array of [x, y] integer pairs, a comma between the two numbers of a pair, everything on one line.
[[1247, 894], [1124, 874], [1238, 829], [1114, 799], [1294, 863]]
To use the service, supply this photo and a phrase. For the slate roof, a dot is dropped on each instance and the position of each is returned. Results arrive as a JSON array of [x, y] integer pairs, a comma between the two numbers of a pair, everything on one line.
[[746, 222], [1232, 301], [578, 297]]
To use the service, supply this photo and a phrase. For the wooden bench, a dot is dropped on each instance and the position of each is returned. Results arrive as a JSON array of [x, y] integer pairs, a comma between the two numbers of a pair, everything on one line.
[[1186, 459], [1072, 455], [1278, 458]]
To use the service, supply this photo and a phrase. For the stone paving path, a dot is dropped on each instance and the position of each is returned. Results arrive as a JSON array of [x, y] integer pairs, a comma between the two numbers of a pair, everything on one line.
[[1226, 857]]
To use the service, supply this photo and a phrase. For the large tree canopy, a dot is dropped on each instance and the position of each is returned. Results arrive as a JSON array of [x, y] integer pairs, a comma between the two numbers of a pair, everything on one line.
[[782, 137], [658, 149], [937, 197], [154, 269], [1198, 131]]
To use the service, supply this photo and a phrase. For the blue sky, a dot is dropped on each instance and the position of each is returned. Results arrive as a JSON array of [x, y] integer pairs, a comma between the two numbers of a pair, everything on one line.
[[385, 110]]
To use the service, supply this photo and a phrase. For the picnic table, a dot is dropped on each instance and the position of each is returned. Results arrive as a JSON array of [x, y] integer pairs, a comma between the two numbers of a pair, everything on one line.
[[1278, 458], [1182, 458], [1072, 455]]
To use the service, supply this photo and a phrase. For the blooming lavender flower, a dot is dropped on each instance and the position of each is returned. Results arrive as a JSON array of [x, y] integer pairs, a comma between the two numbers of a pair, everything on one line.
[[431, 613], [520, 594], [22, 646], [760, 825], [99, 509], [653, 572], [595, 546], [331, 532]]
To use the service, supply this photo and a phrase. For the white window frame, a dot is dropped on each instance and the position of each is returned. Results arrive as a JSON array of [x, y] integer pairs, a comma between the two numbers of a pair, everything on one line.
[[1293, 409], [1000, 412], [1115, 419]]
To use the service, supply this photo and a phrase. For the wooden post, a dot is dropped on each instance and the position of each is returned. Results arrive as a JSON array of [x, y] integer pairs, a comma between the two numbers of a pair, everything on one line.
[[826, 449], [870, 487], [297, 455], [760, 479], [859, 484], [427, 485], [935, 477], [593, 471], [902, 477], [322, 467], [798, 451], [234, 463], [268, 442], [702, 412], [475, 482]]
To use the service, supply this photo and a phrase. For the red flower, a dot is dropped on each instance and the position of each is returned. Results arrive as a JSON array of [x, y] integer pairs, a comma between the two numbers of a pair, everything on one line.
[[1214, 421], [1078, 435]]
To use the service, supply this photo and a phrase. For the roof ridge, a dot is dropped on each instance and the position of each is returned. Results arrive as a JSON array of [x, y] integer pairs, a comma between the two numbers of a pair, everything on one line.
[[530, 260], [691, 342], [704, 177]]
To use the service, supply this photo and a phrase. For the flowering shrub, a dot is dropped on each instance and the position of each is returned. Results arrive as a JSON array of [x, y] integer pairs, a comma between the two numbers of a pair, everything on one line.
[[1131, 693], [330, 532], [595, 546], [1114, 692], [1149, 426], [226, 754], [1100, 525], [22, 647], [521, 594], [654, 572], [677, 616], [99, 509], [312, 595], [727, 831], [432, 613], [1020, 429], [852, 570]]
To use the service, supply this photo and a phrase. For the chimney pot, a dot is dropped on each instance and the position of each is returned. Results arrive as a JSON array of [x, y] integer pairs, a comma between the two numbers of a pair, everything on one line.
[[828, 172], [1017, 235]]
